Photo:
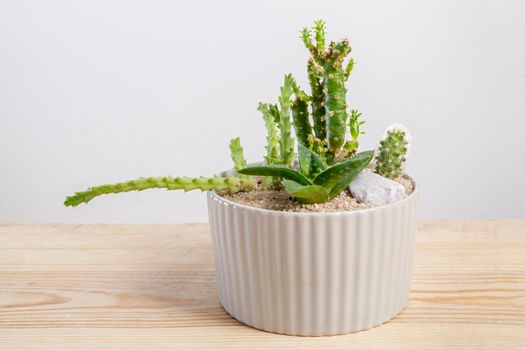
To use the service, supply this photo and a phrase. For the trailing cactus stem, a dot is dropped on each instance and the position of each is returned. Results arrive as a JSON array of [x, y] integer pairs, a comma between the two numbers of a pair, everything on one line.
[[217, 183], [392, 152]]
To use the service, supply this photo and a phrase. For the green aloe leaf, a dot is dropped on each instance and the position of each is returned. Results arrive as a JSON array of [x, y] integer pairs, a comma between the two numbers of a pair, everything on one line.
[[310, 163], [280, 171], [337, 177], [306, 194]]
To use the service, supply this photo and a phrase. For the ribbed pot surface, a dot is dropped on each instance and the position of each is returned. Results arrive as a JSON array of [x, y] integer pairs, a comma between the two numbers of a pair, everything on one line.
[[313, 274]]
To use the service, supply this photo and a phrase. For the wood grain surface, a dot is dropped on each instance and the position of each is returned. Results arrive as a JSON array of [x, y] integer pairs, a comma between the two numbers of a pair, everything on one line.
[[153, 287]]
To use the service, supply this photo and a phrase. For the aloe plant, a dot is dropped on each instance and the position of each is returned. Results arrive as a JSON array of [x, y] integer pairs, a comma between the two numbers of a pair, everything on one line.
[[326, 134], [315, 181]]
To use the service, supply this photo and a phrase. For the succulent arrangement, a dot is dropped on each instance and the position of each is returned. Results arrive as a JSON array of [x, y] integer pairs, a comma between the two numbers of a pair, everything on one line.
[[327, 158]]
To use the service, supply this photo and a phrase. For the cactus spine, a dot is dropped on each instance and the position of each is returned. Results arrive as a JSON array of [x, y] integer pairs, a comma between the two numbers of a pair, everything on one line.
[[392, 152], [227, 184]]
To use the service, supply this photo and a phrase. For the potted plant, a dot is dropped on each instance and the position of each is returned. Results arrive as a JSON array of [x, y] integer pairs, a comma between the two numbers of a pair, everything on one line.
[[317, 241]]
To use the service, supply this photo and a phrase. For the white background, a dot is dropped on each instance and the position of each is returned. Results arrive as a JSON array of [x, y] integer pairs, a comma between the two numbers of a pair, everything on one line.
[[99, 91]]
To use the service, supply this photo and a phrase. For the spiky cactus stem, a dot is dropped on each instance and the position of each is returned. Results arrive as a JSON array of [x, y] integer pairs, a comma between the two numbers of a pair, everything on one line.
[[286, 142], [272, 143], [327, 78], [392, 152], [237, 155], [315, 78], [349, 68], [300, 115], [216, 183], [272, 138], [301, 123], [320, 33], [335, 95], [351, 146]]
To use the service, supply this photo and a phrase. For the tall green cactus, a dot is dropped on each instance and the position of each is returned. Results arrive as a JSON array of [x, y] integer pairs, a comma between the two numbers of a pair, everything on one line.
[[227, 184], [327, 78], [335, 94], [392, 152]]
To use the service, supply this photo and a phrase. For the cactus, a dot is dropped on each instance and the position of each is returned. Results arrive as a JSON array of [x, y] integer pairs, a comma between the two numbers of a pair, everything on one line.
[[220, 184], [354, 124], [286, 142], [349, 68], [315, 78], [272, 139], [327, 78], [393, 151], [237, 155], [272, 143], [301, 121], [320, 33], [327, 162], [335, 95]]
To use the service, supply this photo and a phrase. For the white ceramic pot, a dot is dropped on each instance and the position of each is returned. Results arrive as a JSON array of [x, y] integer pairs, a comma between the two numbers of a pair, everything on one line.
[[313, 274]]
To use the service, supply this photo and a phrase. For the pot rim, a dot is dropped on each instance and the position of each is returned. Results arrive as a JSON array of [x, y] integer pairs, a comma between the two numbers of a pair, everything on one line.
[[218, 198]]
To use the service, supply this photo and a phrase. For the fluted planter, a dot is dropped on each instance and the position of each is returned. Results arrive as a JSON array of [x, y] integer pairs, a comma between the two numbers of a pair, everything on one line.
[[313, 274]]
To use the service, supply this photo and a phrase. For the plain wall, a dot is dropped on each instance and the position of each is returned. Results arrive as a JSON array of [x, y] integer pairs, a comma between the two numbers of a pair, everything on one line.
[[100, 91]]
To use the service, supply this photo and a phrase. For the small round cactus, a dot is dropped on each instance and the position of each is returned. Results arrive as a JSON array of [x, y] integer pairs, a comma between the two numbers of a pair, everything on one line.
[[392, 151]]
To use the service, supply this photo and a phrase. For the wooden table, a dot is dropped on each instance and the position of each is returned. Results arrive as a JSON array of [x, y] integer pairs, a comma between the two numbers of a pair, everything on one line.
[[153, 287]]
